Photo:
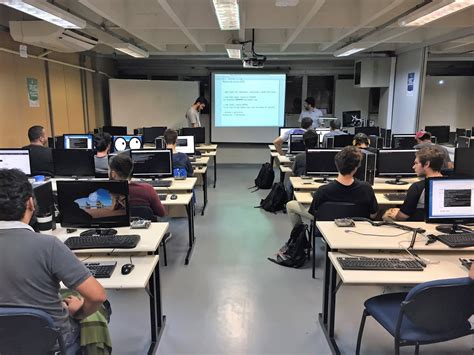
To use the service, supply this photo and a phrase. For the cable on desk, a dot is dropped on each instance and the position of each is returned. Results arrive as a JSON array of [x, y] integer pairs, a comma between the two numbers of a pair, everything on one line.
[[376, 235]]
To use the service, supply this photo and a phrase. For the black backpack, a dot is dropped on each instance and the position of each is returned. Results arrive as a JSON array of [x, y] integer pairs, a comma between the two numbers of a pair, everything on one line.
[[276, 200], [296, 250], [265, 177]]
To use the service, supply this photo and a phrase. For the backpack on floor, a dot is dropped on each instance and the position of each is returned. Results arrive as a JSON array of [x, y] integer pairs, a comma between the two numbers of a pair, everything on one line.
[[265, 177], [276, 200], [296, 250]]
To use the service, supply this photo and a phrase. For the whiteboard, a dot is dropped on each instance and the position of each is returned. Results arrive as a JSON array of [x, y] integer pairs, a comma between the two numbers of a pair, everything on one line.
[[146, 103]]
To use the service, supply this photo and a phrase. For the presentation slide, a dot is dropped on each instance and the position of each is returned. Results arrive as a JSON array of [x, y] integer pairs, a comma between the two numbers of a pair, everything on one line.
[[247, 108]]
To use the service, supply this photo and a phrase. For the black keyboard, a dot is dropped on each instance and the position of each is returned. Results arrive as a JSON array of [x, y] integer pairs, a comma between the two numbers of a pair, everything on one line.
[[162, 197], [159, 183], [385, 264], [396, 196], [129, 241], [102, 270], [461, 240]]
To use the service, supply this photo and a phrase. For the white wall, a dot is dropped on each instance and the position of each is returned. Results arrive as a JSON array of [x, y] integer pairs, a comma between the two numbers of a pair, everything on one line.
[[350, 98], [450, 103], [405, 106]]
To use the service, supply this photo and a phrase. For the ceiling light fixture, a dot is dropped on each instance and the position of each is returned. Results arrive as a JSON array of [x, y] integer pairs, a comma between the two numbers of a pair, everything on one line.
[[234, 51], [286, 3], [227, 12], [47, 12], [349, 50], [434, 11], [131, 50]]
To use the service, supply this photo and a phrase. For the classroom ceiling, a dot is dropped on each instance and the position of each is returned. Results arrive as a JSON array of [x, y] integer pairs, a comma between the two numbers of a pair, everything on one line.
[[309, 28]]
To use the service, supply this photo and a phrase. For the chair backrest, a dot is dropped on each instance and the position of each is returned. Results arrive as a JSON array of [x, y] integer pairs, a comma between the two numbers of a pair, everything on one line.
[[328, 211], [27, 331], [144, 212], [441, 305]]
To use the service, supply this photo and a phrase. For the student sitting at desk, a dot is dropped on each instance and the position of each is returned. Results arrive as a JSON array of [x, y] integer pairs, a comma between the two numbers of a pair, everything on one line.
[[139, 193], [335, 126], [32, 265], [423, 138], [306, 123], [180, 160], [361, 141], [428, 163], [102, 142], [41, 157], [310, 140], [344, 189]]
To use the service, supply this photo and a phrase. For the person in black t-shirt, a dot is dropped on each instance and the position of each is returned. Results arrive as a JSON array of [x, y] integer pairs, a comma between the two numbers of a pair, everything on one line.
[[41, 157], [428, 163], [344, 189]]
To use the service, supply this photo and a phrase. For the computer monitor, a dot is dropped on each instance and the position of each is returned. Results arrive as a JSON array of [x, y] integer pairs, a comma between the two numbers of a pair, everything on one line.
[[449, 200], [199, 134], [44, 198], [93, 204], [56, 142], [460, 132], [128, 152], [468, 133], [150, 133], [78, 141], [15, 159], [121, 143], [343, 140], [396, 163], [296, 144], [321, 131], [441, 132], [185, 144], [320, 162], [115, 130], [351, 118], [74, 162], [403, 141], [368, 131], [160, 143], [463, 142], [463, 162], [283, 130], [376, 142], [152, 163]]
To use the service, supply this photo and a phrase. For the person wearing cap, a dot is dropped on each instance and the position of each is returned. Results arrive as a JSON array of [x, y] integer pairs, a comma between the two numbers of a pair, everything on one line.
[[361, 141], [310, 110], [423, 139], [306, 123]]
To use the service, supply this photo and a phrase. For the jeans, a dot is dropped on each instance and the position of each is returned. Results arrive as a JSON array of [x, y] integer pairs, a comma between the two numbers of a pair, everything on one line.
[[72, 338]]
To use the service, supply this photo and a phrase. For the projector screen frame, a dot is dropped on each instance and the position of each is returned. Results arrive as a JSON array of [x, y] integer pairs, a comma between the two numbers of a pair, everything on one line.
[[211, 111]]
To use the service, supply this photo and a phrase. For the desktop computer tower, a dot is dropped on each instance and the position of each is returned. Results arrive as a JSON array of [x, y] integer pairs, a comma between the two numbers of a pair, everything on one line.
[[366, 171], [329, 143]]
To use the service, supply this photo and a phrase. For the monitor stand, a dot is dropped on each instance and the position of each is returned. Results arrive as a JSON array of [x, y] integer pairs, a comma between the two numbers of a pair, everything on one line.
[[98, 231], [397, 181], [324, 180], [452, 229]]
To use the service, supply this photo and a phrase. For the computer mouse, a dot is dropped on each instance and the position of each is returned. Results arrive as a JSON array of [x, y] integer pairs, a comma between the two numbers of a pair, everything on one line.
[[127, 269], [173, 197]]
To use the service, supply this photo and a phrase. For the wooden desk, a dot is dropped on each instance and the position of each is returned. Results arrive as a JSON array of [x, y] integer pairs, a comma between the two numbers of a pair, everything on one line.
[[448, 266], [273, 155], [186, 185], [206, 147], [306, 197], [123, 291], [283, 171], [210, 150], [202, 160], [283, 160], [272, 147], [186, 200], [150, 239]]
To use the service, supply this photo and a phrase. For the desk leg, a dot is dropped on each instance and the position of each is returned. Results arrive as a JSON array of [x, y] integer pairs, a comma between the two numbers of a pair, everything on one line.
[[157, 319], [327, 266], [215, 170], [204, 190], [313, 237], [190, 212]]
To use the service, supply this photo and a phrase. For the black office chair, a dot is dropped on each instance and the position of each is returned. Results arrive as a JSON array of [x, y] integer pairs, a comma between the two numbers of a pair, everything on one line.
[[329, 211], [28, 331], [146, 212], [431, 312]]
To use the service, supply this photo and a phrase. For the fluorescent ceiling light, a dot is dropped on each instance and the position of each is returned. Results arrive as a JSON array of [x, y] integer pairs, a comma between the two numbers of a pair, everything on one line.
[[227, 12], [47, 12], [350, 49], [131, 50], [234, 51], [434, 11], [285, 3]]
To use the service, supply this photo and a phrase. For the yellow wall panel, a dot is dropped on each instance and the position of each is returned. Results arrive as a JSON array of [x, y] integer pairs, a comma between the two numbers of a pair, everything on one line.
[[75, 109]]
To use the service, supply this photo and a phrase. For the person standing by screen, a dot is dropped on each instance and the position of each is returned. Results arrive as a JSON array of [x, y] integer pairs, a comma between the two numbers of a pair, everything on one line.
[[310, 110], [192, 115]]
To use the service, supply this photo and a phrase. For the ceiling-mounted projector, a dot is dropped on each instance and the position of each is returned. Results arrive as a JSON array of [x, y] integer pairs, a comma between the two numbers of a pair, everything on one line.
[[254, 62]]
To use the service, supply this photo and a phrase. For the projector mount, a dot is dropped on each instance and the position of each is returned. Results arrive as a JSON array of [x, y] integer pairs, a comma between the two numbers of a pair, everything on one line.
[[251, 59]]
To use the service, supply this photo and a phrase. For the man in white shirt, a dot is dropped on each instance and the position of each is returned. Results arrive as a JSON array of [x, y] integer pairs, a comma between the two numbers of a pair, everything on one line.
[[192, 115], [310, 110]]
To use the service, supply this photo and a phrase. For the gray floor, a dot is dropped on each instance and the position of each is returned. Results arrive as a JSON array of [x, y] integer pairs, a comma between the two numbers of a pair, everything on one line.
[[232, 300]]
